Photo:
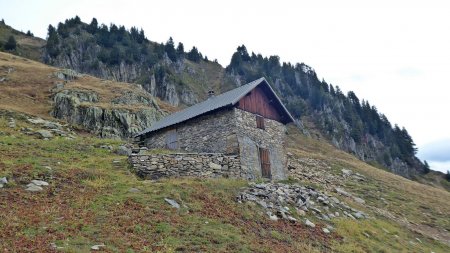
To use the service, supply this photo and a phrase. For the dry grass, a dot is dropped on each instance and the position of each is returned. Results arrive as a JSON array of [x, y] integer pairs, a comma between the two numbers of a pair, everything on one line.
[[28, 86], [419, 207]]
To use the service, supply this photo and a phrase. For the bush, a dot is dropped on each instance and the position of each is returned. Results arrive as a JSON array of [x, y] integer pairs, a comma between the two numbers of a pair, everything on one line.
[[11, 44]]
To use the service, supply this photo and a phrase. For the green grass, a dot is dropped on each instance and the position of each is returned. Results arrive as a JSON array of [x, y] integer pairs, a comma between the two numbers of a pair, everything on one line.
[[88, 202]]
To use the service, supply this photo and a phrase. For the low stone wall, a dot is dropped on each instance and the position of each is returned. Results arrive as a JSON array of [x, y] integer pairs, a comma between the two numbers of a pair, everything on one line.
[[206, 165]]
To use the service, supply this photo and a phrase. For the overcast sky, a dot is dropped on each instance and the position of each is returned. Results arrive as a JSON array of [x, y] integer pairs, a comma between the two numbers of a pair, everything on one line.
[[396, 54]]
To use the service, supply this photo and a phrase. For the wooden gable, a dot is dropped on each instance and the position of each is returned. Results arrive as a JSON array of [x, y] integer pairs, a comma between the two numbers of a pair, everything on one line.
[[261, 102]]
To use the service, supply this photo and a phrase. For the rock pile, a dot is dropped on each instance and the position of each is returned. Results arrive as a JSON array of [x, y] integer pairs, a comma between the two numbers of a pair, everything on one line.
[[281, 200]]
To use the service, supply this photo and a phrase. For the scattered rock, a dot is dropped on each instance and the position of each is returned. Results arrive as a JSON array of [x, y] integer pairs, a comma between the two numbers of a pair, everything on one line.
[[39, 182], [276, 197], [33, 188], [325, 230], [301, 212], [359, 200], [358, 215], [123, 150], [36, 121], [11, 123], [3, 181], [273, 217], [45, 134], [290, 218], [366, 234], [53, 245], [309, 223], [108, 147], [346, 172], [173, 203], [51, 125], [342, 192], [98, 246]]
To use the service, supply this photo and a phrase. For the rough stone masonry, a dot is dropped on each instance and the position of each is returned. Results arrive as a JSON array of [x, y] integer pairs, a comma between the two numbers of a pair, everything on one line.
[[203, 165]]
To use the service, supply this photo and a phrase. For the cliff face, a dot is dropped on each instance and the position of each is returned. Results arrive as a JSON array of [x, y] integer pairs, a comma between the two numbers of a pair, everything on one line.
[[83, 58], [82, 108], [106, 108]]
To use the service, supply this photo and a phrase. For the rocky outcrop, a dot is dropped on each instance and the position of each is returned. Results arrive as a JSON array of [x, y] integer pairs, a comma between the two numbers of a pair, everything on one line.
[[81, 107], [83, 58]]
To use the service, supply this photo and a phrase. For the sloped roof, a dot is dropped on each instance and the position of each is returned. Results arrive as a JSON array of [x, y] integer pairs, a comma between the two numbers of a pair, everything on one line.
[[226, 99]]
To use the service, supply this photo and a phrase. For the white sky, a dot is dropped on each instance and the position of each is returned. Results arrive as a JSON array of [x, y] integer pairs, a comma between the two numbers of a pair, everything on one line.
[[396, 54]]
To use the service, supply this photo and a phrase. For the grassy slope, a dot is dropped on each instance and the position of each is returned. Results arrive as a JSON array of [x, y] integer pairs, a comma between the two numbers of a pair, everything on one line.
[[415, 206], [29, 47], [88, 201], [28, 86]]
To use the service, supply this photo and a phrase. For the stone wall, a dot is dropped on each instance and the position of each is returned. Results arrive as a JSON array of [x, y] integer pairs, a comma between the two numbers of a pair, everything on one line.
[[251, 138], [206, 165], [207, 133], [232, 132]]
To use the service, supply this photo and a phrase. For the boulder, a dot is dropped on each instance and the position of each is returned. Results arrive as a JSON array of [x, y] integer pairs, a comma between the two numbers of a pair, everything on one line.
[[44, 134], [33, 188], [123, 150], [309, 223], [39, 183], [173, 203]]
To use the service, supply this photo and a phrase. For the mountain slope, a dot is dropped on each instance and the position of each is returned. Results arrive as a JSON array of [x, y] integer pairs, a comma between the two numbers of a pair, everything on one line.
[[93, 199], [107, 108], [179, 78], [27, 46]]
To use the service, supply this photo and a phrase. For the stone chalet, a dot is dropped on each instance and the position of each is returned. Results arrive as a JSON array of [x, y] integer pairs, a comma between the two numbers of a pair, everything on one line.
[[239, 133]]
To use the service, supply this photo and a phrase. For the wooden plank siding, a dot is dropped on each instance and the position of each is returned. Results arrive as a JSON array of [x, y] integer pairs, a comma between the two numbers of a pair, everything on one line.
[[258, 102], [265, 163]]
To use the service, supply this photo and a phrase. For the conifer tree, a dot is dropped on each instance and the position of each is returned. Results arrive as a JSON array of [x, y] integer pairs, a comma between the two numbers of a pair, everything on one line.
[[169, 47], [11, 44], [180, 49]]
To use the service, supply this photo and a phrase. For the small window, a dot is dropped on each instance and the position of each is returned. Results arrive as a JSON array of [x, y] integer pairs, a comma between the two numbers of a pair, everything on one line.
[[172, 139], [260, 122]]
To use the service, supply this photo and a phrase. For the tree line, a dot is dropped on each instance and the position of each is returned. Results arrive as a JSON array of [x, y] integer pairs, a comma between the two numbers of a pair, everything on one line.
[[304, 94], [117, 43]]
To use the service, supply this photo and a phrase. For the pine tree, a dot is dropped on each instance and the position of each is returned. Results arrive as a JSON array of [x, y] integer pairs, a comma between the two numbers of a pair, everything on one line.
[[194, 55], [52, 42], [180, 49], [93, 26], [169, 47], [63, 30], [448, 175], [11, 44]]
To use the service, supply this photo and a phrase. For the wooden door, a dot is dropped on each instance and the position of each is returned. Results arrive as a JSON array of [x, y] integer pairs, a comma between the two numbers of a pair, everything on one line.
[[172, 139], [265, 162]]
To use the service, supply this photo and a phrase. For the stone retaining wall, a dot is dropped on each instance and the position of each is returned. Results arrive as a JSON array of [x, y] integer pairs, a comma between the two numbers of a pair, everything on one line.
[[206, 165]]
